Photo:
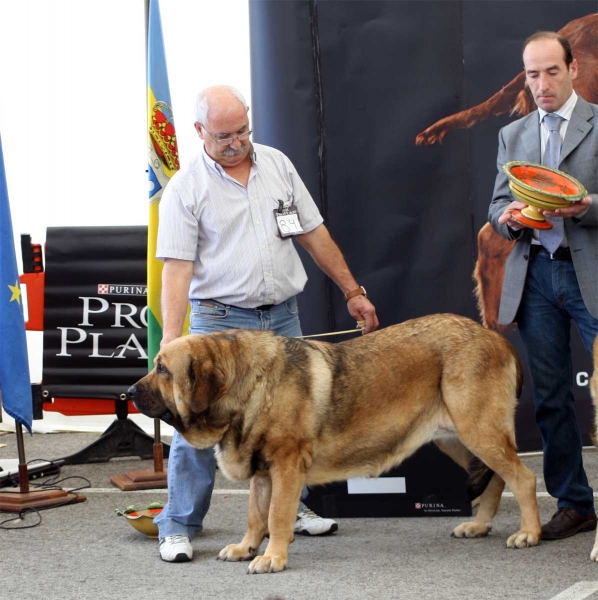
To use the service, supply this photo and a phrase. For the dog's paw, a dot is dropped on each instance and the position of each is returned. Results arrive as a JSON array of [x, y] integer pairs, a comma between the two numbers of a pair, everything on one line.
[[236, 552], [432, 135], [594, 554], [267, 564], [471, 529], [523, 539]]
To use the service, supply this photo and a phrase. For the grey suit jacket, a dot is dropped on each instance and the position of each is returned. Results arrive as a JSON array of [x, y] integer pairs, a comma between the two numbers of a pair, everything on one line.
[[579, 157]]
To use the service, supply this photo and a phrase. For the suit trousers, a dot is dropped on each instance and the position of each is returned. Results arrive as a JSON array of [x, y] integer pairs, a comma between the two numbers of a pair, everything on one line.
[[192, 472], [551, 300]]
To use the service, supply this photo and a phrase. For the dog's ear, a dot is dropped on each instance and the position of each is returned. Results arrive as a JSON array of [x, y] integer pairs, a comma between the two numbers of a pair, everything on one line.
[[182, 388], [208, 383]]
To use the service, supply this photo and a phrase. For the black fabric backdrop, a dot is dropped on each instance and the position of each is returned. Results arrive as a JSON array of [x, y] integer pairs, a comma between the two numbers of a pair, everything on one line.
[[343, 88]]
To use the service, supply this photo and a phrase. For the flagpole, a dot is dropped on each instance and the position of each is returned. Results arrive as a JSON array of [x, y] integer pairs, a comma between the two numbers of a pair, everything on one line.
[[147, 478], [158, 447], [23, 497], [23, 472]]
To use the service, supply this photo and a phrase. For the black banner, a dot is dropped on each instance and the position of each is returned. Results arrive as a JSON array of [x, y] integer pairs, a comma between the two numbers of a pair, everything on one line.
[[349, 91], [95, 327]]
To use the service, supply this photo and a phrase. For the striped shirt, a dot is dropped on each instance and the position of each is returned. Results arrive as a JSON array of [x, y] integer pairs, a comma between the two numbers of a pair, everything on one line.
[[229, 231]]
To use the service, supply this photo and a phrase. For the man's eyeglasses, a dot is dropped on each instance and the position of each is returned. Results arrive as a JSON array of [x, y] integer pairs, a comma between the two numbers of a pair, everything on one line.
[[229, 140]]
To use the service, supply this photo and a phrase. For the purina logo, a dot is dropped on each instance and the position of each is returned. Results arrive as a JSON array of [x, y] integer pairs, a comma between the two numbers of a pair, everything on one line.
[[121, 289], [428, 505]]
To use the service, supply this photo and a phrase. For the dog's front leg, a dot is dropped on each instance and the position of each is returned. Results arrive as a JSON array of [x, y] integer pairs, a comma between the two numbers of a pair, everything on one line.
[[260, 492], [287, 483]]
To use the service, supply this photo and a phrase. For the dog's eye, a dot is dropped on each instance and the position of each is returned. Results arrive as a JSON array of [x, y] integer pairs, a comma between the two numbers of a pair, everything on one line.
[[160, 368]]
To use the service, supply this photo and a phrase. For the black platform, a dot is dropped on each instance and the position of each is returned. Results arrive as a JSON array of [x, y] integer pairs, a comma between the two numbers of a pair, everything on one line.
[[434, 487]]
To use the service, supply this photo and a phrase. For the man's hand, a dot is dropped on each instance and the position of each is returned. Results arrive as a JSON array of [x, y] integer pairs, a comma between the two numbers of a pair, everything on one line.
[[361, 309], [574, 209], [507, 216], [166, 339]]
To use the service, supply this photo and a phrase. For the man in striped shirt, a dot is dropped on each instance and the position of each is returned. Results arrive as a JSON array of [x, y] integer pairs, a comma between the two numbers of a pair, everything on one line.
[[226, 224]]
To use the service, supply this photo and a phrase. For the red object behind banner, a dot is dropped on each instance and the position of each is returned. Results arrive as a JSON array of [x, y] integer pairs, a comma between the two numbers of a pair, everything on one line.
[[73, 407], [35, 300]]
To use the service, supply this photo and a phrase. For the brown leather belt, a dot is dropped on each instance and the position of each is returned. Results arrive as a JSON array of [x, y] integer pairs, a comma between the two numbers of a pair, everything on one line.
[[561, 253]]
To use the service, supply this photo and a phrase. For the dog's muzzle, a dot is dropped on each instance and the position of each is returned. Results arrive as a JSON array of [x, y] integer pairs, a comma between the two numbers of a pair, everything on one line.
[[166, 416]]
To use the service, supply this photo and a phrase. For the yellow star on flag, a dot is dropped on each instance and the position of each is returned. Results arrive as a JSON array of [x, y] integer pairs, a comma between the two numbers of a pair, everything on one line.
[[16, 292]]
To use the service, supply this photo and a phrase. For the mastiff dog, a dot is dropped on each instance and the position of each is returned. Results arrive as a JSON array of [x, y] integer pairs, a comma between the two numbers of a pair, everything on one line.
[[284, 412]]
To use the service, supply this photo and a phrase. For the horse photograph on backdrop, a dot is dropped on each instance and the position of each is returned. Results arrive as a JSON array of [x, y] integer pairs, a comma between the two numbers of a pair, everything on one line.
[[516, 100]]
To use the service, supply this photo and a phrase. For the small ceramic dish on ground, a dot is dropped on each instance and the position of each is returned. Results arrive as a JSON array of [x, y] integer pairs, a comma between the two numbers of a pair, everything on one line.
[[142, 518]]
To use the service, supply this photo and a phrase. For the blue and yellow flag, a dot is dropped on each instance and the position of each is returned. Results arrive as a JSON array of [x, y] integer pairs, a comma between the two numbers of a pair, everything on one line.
[[15, 384], [163, 163]]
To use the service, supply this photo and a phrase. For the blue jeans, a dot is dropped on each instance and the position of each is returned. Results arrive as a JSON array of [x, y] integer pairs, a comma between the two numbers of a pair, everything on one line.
[[191, 472], [551, 299]]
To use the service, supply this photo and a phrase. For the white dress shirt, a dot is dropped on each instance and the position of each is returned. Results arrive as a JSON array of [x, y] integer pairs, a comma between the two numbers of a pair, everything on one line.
[[229, 231]]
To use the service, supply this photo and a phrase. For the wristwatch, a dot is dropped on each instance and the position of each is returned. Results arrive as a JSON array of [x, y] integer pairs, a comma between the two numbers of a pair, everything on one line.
[[360, 291]]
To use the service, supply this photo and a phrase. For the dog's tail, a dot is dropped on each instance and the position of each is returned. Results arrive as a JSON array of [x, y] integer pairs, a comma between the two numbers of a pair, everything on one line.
[[594, 391], [480, 475]]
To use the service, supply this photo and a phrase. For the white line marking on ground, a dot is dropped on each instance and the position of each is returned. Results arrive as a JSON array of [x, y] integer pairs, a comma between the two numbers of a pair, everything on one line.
[[579, 591], [538, 495], [541, 453], [233, 492], [155, 491]]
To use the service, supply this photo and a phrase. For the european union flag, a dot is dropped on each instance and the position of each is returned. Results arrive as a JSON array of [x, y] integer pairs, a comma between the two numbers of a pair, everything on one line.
[[15, 384]]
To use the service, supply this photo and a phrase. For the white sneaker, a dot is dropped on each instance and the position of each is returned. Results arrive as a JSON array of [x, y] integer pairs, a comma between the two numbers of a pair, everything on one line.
[[176, 548], [308, 523]]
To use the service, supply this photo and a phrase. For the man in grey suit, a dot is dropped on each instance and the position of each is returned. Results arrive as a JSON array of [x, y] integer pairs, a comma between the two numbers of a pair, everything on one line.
[[553, 279]]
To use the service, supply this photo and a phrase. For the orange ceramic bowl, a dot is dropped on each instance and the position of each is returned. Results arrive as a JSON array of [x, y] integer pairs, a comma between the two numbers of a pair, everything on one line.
[[143, 521], [543, 183], [535, 198]]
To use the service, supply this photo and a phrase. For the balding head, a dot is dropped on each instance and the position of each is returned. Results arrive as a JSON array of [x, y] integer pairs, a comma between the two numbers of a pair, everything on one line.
[[221, 118], [218, 101]]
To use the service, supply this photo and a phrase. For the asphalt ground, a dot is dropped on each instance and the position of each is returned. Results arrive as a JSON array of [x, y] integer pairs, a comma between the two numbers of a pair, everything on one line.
[[85, 551]]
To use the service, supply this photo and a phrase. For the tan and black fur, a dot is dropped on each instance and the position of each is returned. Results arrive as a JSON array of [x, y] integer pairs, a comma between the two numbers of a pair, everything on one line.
[[286, 412]]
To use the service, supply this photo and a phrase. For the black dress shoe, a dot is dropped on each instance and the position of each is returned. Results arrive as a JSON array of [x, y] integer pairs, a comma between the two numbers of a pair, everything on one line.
[[567, 522]]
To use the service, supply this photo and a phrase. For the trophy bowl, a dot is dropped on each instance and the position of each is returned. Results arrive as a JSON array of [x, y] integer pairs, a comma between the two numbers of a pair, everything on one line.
[[540, 187]]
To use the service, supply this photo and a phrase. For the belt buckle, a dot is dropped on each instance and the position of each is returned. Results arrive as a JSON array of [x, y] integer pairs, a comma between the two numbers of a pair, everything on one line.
[[265, 307], [561, 253]]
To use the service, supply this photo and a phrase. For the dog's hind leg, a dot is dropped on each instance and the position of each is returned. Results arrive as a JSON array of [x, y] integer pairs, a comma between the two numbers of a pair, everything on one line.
[[484, 486], [523, 485], [260, 492], [488, 505], [481, 398], [497, 451]]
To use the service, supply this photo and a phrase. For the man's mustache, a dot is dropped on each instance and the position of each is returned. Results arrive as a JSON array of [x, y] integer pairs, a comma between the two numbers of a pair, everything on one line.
[[233, 152]]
